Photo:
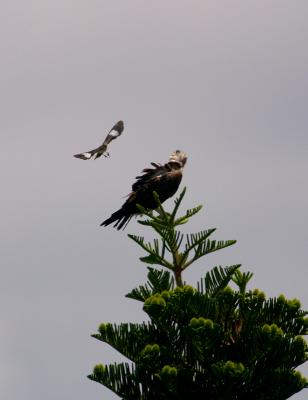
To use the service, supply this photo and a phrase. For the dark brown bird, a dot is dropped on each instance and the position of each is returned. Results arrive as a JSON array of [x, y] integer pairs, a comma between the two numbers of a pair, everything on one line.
[[163, 179], [114, 132]]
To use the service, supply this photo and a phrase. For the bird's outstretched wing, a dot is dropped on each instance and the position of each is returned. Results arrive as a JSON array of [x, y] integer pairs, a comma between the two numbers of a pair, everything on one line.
[[114, 132], [163, 179]]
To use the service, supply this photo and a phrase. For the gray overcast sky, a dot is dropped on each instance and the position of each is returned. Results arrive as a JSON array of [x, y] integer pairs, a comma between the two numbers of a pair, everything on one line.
[[226, 81]]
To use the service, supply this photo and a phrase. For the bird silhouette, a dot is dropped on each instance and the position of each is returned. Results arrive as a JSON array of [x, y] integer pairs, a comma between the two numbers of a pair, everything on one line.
[[114, 132], [163, 179]]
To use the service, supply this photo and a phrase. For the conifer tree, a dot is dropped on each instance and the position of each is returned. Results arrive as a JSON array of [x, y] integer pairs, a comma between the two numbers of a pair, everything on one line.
[[218, 340]]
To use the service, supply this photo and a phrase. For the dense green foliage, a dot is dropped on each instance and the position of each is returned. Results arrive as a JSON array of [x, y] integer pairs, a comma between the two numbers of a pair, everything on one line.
[[210, 342]]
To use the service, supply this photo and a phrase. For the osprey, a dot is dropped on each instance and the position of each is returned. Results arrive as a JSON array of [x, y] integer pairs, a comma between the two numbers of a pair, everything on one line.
[[163, 179], [114, 132]]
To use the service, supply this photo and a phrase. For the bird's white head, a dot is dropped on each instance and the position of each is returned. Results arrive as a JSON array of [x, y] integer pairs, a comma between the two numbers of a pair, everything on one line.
[[178, 159]]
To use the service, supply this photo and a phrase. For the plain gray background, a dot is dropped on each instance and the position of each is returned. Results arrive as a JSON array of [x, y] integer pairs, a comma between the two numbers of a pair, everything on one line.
[[225, 81]]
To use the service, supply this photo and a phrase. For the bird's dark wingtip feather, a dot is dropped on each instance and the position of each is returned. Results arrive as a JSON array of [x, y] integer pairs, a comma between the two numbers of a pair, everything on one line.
[[82, 156]]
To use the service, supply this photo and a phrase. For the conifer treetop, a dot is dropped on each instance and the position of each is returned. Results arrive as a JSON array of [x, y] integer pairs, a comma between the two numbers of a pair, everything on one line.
[[174, 250]]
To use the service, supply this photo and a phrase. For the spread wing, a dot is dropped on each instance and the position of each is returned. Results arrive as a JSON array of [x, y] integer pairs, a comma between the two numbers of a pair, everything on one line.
[[114, 132]]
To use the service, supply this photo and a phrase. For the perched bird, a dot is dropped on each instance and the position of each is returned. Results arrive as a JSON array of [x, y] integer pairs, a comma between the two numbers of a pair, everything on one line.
[[114, 132], [163, 179]]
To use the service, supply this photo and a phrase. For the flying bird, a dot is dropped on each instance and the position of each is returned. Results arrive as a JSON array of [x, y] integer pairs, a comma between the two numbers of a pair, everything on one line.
[[114, 132], [163, 179]]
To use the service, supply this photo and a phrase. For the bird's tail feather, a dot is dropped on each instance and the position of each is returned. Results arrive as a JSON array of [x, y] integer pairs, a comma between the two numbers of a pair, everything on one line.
[[120, 218], [124, 222]]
